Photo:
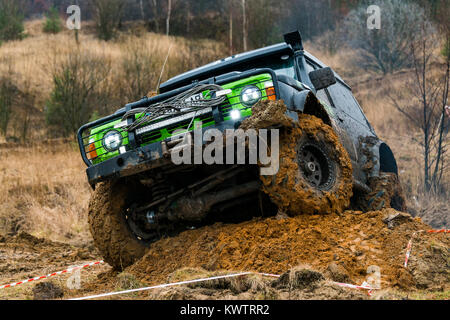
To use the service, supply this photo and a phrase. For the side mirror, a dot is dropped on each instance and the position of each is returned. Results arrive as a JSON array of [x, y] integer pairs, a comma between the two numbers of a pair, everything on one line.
[[322, 78]]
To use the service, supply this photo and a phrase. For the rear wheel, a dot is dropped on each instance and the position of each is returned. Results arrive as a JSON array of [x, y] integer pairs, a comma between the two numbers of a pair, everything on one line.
[[315, 174], [386, 192]]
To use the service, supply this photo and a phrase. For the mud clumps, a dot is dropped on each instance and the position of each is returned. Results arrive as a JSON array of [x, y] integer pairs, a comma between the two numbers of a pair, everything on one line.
[[337, 273], [299, 278], [25, 256], [47, 291], [299, 283], [266, 114], [340, 247]]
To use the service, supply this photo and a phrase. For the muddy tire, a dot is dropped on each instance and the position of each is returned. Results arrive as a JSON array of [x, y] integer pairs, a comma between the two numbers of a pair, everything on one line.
[[108, 226], [386, 192], [315, 174]]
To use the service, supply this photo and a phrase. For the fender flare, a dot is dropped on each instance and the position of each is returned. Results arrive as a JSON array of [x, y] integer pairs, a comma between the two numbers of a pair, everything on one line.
[[306, 102], [387, 159]]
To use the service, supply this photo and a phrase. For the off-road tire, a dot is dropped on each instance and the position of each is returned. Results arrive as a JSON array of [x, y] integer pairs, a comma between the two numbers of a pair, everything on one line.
[[108, 226], [290, 188], [386, 192]]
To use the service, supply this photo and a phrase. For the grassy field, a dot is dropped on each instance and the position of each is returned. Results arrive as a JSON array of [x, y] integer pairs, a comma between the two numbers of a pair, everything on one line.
[[43, 190]]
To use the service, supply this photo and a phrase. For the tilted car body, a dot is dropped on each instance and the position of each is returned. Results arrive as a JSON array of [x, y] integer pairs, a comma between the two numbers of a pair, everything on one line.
[[288, 69]]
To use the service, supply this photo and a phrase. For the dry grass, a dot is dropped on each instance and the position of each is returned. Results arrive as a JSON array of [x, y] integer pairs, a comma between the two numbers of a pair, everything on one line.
[[33, 59], [44, 192]]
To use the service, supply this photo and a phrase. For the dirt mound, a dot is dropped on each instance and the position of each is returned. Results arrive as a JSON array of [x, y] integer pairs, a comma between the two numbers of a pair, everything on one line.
[[343, 247]]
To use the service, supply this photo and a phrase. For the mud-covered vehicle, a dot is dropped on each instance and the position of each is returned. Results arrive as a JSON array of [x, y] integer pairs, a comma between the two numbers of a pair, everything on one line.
[[329, 155]]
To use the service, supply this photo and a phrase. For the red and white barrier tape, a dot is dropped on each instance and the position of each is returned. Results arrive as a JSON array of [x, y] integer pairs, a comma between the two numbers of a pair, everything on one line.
[[439, 231], [352, 286], [52, 274], [410, 242]]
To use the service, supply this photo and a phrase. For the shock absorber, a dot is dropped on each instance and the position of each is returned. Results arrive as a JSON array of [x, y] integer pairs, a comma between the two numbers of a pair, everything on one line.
[[159, 189]]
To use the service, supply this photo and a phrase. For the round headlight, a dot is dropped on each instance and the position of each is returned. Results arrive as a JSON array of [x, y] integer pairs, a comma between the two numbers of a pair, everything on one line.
[[250, 95], [112, 141]]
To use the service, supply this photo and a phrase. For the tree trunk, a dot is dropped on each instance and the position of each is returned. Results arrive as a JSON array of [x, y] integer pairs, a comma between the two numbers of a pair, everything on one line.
[[155, 15], [188, 27], [438, 167], [169, 12], [244, 24], [141, 5], [231, 28]]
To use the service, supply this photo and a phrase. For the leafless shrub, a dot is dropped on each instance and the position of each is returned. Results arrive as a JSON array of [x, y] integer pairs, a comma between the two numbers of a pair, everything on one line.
[[140, 71], [8, 93], [385, 49], [77, 92], [329, 42], [107, 16]]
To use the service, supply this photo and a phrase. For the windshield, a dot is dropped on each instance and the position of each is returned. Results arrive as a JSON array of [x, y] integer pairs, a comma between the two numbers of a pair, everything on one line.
[[282, 65]]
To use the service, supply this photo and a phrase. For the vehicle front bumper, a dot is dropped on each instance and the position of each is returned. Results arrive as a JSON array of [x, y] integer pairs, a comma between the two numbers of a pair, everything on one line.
[[141, 159]]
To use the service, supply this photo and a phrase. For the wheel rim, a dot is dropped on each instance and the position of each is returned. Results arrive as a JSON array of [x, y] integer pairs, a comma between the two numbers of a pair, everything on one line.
[[136, 226], [316, 167]]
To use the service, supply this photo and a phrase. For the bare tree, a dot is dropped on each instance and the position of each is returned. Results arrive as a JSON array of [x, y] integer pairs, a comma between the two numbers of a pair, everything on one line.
[[141, 7], [107, 16], [169, 12], [155, 14], [426, 111], [230, 25], [244, 24], [385, 49], [7, 93]]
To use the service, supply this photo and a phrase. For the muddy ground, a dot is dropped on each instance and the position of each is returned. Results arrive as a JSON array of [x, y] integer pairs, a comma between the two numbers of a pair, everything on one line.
[[311, 252]]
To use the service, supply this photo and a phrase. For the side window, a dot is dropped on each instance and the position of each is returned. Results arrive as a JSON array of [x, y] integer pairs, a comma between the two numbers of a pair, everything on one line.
[[322, 95], [309, 67], [344, 100]]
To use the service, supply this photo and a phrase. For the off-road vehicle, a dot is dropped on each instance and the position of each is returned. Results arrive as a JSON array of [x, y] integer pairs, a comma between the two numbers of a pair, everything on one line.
[[330, 157]]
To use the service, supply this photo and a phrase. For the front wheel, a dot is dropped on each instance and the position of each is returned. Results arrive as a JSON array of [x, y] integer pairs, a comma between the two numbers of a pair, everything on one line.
[[108, 207], [315, 174]]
